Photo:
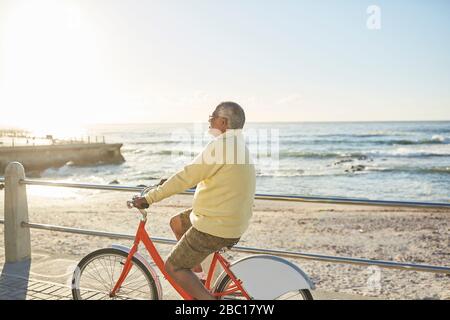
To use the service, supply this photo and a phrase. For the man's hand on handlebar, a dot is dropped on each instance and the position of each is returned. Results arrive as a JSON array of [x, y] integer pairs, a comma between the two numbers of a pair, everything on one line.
[[140, 202]]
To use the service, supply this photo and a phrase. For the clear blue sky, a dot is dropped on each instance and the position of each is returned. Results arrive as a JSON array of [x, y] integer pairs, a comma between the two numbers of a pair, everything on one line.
[[144, 61]]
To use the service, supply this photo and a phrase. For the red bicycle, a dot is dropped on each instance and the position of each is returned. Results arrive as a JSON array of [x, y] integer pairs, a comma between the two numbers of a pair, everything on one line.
[[123, 273]]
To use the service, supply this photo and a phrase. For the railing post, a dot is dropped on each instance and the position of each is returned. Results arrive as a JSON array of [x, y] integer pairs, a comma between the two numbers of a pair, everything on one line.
[[17, 238]]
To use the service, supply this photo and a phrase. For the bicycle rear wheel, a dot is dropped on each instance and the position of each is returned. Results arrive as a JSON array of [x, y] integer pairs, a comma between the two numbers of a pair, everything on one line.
[[97, 273], [225, 283]]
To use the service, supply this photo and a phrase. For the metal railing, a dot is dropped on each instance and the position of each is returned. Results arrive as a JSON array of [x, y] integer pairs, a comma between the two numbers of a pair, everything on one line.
[[21, 182], [281, 253], [316, 199]]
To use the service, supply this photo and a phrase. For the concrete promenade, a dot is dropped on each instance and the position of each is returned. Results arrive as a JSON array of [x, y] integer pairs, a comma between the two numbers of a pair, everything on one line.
[[47, 277]]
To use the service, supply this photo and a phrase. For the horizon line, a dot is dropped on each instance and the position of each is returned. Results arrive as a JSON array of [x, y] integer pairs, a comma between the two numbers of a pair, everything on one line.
[[17, 127], [256, 122]]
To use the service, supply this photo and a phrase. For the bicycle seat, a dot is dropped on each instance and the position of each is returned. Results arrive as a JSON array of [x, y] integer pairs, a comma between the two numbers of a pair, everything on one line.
[[224, 249], [228, 247]]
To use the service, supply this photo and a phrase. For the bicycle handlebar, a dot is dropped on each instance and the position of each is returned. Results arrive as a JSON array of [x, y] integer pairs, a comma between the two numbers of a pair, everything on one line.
[[130, 204], [143, 212]]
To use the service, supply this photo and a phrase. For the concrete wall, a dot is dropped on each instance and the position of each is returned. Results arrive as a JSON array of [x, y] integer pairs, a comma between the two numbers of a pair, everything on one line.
[[38, 158]]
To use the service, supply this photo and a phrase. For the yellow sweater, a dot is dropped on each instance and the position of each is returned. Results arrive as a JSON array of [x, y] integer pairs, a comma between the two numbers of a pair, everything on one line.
[[225, 177]]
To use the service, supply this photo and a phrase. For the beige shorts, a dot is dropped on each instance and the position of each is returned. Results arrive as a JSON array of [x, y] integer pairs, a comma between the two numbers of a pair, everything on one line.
[[194, 246]]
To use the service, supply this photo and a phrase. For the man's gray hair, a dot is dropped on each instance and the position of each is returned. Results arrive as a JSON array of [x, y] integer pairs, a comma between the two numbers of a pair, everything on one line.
[[233, 112]]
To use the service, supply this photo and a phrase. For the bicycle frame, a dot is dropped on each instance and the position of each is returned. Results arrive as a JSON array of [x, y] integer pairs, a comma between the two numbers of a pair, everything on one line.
[[143, 236]]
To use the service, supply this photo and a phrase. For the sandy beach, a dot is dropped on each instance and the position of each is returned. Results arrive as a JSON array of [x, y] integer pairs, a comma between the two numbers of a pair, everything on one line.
[[385, 233]]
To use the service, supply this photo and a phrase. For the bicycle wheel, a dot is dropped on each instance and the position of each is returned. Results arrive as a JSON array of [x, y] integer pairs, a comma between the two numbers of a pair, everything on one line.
[[97, 273], [224, 284]]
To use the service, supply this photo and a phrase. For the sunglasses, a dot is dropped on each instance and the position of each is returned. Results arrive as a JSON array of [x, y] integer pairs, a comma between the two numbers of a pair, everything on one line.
[[212, 117]]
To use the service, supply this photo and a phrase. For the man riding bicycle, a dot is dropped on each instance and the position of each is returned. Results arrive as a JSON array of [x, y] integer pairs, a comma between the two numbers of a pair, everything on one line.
[[222, 207]]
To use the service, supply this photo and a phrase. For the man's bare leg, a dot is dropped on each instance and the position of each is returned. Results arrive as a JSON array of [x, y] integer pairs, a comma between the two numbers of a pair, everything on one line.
[[189, 282], [175, 225]]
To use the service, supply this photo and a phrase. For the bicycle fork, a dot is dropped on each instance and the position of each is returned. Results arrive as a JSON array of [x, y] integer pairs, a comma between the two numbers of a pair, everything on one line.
[[126, 269]]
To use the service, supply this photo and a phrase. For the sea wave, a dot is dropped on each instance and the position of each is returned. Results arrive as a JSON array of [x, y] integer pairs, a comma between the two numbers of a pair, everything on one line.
[[433, 140], [364, 135], [168, 152], [96, 173], [367, 170], [279, 174], [418, 170], [304, 174], [364, 155], [313, 139], [411, 153], [318, 154], [162, 142]]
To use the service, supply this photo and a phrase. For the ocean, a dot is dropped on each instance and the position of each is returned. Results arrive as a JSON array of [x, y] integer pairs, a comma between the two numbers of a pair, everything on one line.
[[372, 160]]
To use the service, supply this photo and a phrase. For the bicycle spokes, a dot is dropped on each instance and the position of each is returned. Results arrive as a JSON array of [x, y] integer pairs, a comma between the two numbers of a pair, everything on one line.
[[100, 276]]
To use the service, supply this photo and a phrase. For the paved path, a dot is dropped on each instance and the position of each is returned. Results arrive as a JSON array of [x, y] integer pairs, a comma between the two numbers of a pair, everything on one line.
[[47, 277], [16, 288]]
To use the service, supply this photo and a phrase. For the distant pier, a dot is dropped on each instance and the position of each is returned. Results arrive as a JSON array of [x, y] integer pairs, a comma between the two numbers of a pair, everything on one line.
[[37, 158]]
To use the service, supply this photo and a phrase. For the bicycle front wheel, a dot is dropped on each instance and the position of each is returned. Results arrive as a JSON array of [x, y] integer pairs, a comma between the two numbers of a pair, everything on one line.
[[98, 272]]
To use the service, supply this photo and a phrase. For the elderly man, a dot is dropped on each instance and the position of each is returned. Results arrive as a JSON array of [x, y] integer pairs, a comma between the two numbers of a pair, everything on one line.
[[222, 207]]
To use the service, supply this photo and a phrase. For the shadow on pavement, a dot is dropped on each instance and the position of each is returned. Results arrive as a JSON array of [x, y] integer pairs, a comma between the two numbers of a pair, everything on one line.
[[14, 280]]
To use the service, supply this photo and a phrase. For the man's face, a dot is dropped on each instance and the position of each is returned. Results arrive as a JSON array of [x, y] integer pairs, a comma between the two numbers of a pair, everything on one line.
[[216, 122]]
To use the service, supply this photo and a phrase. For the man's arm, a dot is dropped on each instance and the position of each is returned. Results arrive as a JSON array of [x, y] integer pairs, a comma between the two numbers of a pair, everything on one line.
[[184, 179]]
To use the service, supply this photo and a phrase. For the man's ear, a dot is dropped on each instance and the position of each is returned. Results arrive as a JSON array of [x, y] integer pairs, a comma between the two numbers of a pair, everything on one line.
[[225, 124]]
